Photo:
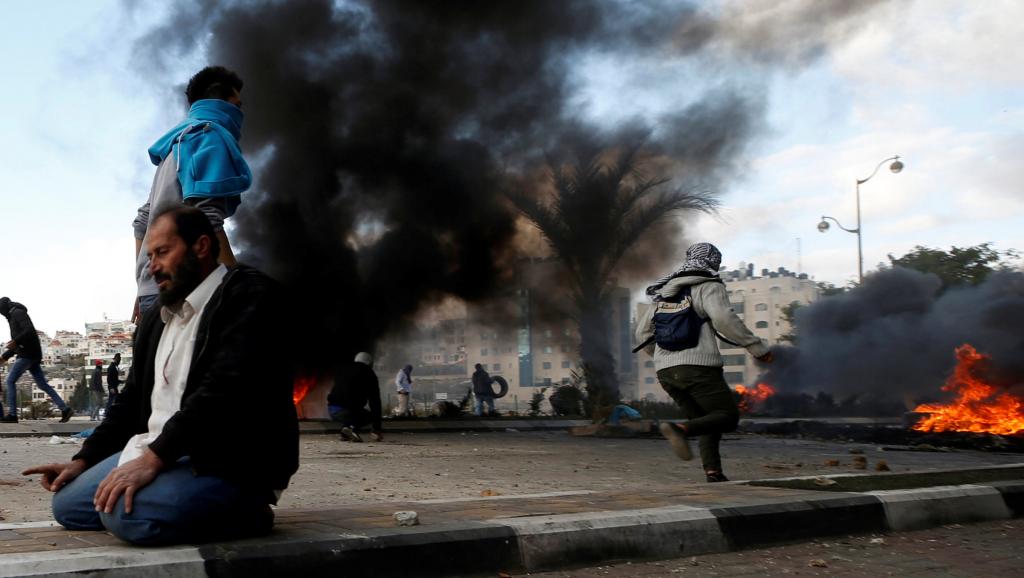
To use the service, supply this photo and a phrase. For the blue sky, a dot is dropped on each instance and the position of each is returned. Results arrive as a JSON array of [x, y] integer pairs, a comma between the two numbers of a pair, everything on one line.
[[938, 82]]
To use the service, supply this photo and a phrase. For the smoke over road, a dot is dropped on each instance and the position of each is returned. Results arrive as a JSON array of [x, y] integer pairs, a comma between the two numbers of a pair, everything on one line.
[[896, 335], [384, 133]]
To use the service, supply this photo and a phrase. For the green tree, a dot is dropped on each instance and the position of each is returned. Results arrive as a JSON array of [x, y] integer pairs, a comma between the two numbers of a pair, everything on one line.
[[601, 206], [80, 398], [958, 266], [788, 313]]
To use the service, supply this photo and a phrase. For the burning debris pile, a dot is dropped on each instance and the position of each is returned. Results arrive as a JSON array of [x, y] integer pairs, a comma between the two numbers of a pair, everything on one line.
[[752, 399], [978, 407]]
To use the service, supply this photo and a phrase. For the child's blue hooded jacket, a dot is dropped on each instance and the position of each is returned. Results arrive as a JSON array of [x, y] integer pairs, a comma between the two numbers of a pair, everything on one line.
[[205, 144]]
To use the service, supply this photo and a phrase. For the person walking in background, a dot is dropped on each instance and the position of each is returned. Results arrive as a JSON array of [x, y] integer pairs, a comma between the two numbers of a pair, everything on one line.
[[198, 162], [25, 344], [113, 380], [689, 366], [356, 387], [96, 390], [403, 385], [482, 391]]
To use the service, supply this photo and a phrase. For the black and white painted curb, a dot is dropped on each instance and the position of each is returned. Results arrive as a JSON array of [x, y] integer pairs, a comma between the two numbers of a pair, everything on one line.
[[544, 542]]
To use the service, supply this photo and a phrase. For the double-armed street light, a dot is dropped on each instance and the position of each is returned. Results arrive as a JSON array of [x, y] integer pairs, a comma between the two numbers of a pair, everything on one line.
[[823, 226]]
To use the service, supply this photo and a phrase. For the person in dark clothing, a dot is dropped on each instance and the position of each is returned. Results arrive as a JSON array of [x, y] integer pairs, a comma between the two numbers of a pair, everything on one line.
[[96, 390], [167, 465], [113, 380], [25, 344], [482, 390], [355, 387]]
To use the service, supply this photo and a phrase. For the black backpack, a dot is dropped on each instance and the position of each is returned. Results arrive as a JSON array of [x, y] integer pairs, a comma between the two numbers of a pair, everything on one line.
[[676, 323]]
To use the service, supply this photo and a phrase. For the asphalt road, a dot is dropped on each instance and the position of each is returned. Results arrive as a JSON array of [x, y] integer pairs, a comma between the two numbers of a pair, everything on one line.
[[990, 549]]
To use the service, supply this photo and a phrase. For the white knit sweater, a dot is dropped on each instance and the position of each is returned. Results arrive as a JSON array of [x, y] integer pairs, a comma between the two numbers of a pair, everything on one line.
[[710, 301]]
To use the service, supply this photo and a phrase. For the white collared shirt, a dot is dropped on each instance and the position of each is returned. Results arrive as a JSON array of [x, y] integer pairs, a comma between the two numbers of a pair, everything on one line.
[[173, 360]]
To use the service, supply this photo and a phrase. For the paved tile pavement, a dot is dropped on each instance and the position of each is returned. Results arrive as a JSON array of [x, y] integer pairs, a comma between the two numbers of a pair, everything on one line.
[[42, 537]]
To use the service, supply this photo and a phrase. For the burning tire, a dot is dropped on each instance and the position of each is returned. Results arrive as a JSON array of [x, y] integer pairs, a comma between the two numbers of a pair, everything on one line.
[[502, 386]]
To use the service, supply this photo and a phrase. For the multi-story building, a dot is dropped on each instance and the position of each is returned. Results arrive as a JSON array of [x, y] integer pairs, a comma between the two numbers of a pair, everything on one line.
[[760, 301], [533, 344]]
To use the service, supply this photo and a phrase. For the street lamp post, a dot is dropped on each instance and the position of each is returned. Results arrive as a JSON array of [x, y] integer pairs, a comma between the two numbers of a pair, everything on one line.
[[823, 226]]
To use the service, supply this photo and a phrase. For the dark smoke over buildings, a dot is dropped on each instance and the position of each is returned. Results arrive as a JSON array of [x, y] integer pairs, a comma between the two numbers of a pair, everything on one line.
[[896, 334], [384, 134]]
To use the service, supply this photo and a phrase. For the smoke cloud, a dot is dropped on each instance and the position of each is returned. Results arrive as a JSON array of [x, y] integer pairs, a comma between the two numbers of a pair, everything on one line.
[[896, 334], [384, 134]]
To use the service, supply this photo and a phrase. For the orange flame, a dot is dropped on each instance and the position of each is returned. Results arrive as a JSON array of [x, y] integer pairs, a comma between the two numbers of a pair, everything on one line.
[[976, 408], [303, 383], [753, 397]]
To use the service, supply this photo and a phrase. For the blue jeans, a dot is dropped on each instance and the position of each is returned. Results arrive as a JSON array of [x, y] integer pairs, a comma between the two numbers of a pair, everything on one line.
[[175, 508], [146, 301], [19, 367], [480, 401]]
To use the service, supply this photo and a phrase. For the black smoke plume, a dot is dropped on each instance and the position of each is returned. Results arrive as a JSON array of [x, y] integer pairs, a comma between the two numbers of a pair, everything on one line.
[[896, 335], [384, 134]]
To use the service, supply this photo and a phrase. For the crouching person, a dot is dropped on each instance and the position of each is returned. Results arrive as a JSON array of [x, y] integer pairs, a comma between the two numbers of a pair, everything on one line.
[[172, 462]]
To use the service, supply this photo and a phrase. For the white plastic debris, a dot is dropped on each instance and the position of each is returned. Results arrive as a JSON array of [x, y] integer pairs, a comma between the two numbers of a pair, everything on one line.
[[406, 518], [54, 440]]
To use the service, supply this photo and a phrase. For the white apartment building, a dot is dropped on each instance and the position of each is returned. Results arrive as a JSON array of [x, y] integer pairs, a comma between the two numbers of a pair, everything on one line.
[[759, 301]]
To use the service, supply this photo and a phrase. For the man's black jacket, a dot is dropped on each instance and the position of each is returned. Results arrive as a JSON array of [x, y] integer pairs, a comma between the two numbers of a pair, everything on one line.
[[482, 383], [22, 332], [97, 379], [237, 420], [355, 386], [113, 378]]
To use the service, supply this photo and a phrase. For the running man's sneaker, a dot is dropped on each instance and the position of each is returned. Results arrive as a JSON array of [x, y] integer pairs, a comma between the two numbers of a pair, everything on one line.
[[9, 419], [716, 477], [65, 414], [348, 434], [677, 440]]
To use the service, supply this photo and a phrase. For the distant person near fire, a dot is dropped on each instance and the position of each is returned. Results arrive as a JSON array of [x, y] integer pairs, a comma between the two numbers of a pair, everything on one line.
[[356, 387], [25, 344], [199, 163], [113, 380], [690, 369], [482, 391], [171, 463], [403, 386], [96, 390]]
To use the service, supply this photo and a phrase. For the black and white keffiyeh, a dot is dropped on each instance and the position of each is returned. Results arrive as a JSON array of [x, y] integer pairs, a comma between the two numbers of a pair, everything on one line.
[[700, 258]]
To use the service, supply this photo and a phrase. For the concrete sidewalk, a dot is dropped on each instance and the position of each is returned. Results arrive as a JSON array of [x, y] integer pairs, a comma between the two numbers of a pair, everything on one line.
[[46, 428], [517, 533]]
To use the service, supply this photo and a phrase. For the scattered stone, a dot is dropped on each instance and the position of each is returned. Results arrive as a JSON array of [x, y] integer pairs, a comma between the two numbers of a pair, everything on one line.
[[824, 482], [878, 540], [882, 466], [832, 463], [818, 563], [860, 463], [856, 451], [489, 492], [406, 518]]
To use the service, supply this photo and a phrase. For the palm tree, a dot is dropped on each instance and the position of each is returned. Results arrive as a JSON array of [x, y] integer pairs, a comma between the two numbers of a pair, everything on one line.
[[601, 206]]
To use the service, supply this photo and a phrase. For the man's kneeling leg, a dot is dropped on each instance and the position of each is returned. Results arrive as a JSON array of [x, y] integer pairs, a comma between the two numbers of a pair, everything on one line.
[[73, 505], [180, 507]]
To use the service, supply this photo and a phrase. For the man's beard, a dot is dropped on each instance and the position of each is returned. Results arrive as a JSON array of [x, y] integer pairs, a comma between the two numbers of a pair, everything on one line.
[[183, 280]]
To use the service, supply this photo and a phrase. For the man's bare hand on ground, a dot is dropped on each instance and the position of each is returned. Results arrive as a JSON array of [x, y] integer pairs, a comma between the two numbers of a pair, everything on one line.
[[767, 357], [56, 476], [127, 480]]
